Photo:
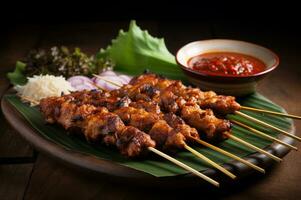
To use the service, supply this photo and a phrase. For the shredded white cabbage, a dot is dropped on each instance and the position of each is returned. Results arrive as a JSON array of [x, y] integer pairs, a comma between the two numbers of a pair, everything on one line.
[[43, 86]]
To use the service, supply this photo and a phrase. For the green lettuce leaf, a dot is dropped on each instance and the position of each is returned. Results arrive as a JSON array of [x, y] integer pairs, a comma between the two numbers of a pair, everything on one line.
[[17, 77], [136, 50]]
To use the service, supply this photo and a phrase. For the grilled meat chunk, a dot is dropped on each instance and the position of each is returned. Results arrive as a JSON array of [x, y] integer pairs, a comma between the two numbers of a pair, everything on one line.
[[137, 117], [132, 142], [166, 137]]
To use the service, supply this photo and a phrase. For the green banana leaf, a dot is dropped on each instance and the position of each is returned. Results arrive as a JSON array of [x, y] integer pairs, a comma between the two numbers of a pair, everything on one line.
[[152, 164]]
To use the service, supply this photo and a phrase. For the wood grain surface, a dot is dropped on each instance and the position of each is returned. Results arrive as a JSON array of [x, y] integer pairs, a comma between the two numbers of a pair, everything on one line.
[[43, 178]]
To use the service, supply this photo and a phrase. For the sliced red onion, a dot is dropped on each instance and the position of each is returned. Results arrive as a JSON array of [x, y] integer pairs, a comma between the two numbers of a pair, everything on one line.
[[93, 79], [108, 73], [84, 87], [81, 83], [78, 80], [104, 82], [125, 79], [84, 83], [99, 82]]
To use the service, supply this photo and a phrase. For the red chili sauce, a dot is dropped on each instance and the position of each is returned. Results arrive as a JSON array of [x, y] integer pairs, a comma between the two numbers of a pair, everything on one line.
[[226, 63]]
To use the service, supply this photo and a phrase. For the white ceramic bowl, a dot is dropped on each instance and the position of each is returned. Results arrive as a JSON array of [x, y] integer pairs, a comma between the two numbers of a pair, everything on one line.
[[229, 85]]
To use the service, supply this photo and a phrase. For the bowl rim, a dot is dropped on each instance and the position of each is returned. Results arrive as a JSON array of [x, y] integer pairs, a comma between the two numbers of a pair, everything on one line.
[[204, 74]]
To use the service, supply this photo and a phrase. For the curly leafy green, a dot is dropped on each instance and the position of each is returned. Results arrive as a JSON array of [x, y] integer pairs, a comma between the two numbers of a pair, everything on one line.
[[57, 61], [17, 77], [136, 50]]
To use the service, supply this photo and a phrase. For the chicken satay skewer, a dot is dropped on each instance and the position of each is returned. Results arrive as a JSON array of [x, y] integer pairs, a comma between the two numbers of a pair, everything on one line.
[[253, 147], [88, 116]]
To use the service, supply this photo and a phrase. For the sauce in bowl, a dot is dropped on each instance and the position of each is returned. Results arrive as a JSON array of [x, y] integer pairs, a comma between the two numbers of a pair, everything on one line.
[[226, 64]]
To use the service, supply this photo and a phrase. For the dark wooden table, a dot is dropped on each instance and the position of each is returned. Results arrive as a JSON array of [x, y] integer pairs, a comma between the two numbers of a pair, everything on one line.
[[27, 174]]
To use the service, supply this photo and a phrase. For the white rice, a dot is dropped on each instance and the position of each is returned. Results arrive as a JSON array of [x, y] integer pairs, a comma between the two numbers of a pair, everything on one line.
[[43, 86]]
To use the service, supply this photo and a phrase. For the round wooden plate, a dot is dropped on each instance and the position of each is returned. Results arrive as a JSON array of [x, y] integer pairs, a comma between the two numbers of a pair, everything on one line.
[[122, 173]]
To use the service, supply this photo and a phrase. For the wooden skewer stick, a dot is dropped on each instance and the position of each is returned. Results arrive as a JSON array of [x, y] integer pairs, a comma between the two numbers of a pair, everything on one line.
[[106, 80], [215, 148], [263, 134], [97, 86], [29, 100], [184, 166], [267, 125], [217, 166], [251, 146], [270, 112]]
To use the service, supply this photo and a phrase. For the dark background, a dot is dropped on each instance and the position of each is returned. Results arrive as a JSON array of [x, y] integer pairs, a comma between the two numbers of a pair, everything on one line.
[[262, 22], [256, 13], [91, 25], [278, 19]]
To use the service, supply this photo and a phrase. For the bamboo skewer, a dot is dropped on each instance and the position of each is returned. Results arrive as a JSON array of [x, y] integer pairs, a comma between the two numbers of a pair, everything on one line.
[[111, 82], [251, 146], [214, 164], [263, 134], [215, 148], [184, 166], [29, 100], [270, 112], [267, 125], [97, 86]]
